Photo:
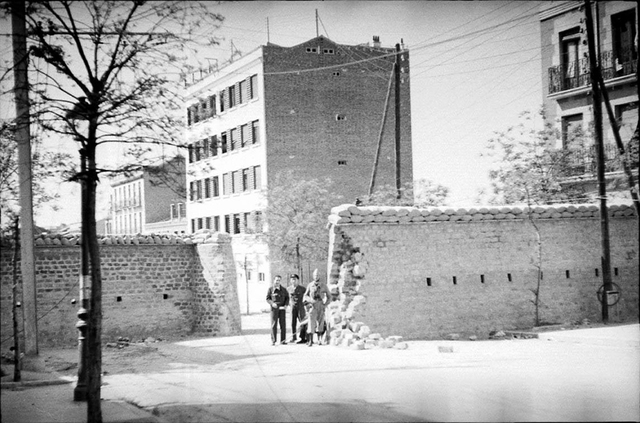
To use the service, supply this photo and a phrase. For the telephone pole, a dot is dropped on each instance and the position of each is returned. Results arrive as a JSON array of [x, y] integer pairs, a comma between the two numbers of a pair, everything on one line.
[[23, 138], [397, 98], [602, 188]]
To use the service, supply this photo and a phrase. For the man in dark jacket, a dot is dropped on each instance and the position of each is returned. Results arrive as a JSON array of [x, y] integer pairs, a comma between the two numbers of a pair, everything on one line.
[[296, 292], [278, 299]]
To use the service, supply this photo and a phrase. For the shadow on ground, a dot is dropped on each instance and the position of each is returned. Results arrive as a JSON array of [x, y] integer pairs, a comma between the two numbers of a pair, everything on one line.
[[283, 412]]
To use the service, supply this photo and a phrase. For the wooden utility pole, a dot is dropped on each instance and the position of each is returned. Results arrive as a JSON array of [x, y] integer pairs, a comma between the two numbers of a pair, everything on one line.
[[397, 149], [380, 134], [602, 188], [23, 138]]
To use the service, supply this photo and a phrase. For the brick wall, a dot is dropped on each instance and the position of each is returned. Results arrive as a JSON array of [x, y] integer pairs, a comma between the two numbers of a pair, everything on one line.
[[400, 264], [160, 287], [302, 130]]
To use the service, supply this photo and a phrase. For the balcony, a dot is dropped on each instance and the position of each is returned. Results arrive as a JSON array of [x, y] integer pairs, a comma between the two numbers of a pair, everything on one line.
[[577, 74], [583, 162]]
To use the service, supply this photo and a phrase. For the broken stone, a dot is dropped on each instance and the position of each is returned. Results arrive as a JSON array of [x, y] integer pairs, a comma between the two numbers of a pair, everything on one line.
[[473, 338], [453, 336], [395, 338], [401, 346], [445, 349]]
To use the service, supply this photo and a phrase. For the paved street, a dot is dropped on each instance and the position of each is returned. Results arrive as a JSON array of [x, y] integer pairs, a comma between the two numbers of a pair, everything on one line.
[[244, 378]]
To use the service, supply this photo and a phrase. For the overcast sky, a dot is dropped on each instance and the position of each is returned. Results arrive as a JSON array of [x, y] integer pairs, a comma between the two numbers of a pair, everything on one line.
[[475, 66]]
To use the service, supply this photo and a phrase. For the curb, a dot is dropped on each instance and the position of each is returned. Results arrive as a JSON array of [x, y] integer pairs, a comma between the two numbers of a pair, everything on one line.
[[58, 380]]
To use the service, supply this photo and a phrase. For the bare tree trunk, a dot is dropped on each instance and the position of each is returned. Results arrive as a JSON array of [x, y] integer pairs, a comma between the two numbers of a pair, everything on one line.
[[17, 366], [94, 366]]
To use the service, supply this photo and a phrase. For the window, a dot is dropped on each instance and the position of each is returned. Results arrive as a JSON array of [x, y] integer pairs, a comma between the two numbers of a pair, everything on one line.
[[627, 116], [207, 188], [236, 181], [342, 162], [216, 186], [623, 28], [232, 96], [340, 117], [253, 86], [328, 51], [207, 223], [236, 223], [227, 223], [199, 189], [223, 142], [191, 153], [198, 150], [205, 148], [312, 49], [255, 132], [242, 87], [569, 57], [257, 177], [216, 223], [258, 222], [199, 223], [212, 105], [174, 212], [193, 225], [245, 179], [571, 125], [192, 191], [181, 212], [213, 146], [261, 277], [244, 135], [221, 97], [235, 139], [245, 222], [226, 184]]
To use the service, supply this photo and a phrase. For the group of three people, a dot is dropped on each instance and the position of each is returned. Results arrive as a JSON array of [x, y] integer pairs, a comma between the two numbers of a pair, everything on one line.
[[307, 308]]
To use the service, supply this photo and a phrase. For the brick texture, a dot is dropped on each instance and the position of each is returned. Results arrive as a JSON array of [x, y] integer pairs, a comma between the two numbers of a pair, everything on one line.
[[158, 289], [404, 272]]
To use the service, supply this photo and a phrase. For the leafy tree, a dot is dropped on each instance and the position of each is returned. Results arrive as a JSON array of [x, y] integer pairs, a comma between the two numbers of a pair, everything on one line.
[[46, 166], [529, 168], [421, 193], [109, 72], [296, 217]]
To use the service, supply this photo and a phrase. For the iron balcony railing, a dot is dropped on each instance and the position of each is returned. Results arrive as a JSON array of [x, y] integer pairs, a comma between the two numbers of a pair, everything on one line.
[[576, 74], [584, 161]]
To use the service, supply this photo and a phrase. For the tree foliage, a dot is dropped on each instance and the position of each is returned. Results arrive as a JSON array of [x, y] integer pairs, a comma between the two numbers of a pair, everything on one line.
[[45, 166], [420, 193], [296, 217], [529, 168]]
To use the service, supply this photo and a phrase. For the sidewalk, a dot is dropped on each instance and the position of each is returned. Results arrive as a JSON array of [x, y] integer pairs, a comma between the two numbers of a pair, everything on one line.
[[48, 397]]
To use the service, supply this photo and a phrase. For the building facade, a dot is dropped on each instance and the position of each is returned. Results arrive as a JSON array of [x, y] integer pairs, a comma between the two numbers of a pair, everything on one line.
[[151, 201], [314, 109], [567, 86]]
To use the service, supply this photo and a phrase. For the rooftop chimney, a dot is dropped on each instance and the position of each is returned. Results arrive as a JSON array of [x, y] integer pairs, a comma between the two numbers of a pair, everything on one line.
[[376, 41]]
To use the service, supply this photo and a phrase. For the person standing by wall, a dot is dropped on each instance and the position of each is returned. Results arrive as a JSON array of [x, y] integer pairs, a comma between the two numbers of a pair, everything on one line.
[[316, 297], [278, 299], [296, 292]]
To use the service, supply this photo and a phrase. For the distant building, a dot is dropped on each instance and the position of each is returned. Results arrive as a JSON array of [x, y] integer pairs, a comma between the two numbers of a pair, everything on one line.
[[315, 109], [149, 201], [566, 81]]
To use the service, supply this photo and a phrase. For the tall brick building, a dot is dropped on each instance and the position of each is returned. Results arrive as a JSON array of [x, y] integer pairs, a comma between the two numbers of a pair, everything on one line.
[[315, 109]]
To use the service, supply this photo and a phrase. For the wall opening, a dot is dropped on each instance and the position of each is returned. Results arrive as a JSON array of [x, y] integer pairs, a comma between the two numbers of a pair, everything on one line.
[[615, 271], [165, 296], [509, 277], [455, 280], [597, 272], [428, 281], [118, 299], [568, 274], [481, 278]]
